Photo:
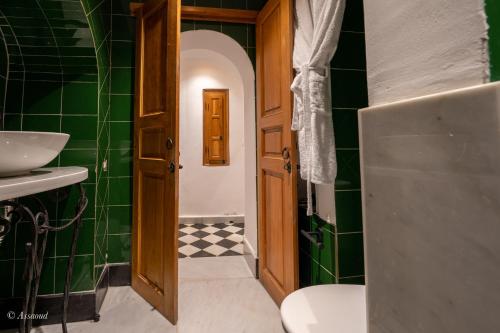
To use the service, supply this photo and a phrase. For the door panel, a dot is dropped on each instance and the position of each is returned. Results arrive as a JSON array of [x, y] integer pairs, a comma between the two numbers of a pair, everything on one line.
[[155, 216], [277, 172], [216, 127]]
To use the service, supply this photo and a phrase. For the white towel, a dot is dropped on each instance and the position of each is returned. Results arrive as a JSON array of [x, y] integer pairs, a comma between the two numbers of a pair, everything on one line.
[[317, 31]]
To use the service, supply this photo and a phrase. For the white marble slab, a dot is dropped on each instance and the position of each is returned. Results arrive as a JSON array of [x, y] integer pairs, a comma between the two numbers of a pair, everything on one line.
[[431, 196], [41, 180]]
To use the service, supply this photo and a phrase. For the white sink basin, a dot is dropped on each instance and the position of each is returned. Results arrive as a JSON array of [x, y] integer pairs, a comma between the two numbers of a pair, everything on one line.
[[22, 152]]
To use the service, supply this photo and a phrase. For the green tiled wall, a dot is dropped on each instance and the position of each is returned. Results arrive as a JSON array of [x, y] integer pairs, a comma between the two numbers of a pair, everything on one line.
[[59, 78], [121, 126], [341, 260], [493, 13]]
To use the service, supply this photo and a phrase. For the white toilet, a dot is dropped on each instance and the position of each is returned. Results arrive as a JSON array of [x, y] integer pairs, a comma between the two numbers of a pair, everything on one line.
[[331, 308]]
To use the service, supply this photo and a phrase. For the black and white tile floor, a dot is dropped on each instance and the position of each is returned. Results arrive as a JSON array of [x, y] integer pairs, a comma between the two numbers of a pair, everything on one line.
[[210, 240]]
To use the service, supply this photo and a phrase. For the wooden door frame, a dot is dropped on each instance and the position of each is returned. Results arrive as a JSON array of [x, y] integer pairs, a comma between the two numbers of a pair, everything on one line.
[[210, 14]]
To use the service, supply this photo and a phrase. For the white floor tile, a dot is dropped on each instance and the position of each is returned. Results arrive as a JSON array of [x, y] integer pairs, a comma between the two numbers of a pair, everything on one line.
[[188, 239], [216, 295]]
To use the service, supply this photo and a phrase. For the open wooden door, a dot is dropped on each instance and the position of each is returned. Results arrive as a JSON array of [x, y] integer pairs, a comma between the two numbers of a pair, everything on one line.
[[156, 155], [276, 151]]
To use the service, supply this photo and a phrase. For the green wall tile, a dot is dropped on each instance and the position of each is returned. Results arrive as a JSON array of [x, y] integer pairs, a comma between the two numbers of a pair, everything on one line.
[[348, 170], [121, 193], [318, 274], [119, 248], [349, 89], [122, 6], [14, 97], [236, 31], [41, 123], [120, 163], [201, 25], [121, 135], [123, 54], [85, 243], [354, 16], [66, 207], [82, 129], [122, 81], [345, 122], [350, 247], [208, 3], [120, 219], [42, 97], [353, 280], [348, 211], [187, 25], [12, 122], [123, 27], [350, 51], [235, 4], [493, 13], [46, 279], [122, 107], [255, 4], [24, 234], [83, 274], [74, 93]]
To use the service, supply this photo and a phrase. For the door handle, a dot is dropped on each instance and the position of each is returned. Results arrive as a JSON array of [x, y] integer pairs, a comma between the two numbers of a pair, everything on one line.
[[171, 167], [288, 167], [181, 166]]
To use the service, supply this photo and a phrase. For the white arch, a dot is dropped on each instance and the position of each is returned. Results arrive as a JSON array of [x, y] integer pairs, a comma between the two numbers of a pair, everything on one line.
[[231, 50]]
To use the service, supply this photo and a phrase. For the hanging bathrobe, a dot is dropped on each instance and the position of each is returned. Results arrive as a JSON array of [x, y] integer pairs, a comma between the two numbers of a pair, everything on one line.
[[317, 31]]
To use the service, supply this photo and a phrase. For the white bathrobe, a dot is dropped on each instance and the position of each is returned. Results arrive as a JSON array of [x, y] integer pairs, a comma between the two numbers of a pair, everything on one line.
[[317, 31]]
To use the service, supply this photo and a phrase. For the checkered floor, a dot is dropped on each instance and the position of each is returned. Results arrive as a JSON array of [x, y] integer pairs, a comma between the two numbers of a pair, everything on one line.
[[210, 240]]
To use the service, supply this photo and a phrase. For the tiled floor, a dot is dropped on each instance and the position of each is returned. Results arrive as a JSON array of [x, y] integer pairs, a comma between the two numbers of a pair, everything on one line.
[[216, 295], [210, 240]]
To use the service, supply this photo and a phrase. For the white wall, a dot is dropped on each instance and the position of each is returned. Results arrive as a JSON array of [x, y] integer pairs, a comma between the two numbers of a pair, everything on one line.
[[421, 47], [210, 191]]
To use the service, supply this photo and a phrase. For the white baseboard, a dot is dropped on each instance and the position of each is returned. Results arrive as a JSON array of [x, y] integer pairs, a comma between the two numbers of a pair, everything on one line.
[[250, 258], [211, 219]]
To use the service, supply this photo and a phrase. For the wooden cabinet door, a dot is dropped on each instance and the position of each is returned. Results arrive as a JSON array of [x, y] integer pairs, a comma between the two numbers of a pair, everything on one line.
[[276, 151], [215, 127], [156, 155]]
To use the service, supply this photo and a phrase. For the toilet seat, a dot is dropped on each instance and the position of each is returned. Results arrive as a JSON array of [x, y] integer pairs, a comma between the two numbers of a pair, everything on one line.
[[329, 308]]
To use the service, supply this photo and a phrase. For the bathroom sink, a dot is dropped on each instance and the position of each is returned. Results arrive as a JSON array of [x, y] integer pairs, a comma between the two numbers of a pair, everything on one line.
[[22, 152]]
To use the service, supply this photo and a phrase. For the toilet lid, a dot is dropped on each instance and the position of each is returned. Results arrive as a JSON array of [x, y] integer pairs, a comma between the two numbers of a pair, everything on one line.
[[325, 308]]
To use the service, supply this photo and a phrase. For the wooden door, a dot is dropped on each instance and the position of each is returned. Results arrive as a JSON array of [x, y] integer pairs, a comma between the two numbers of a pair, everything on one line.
[[276, 151], [215, 127], [156, 155]]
